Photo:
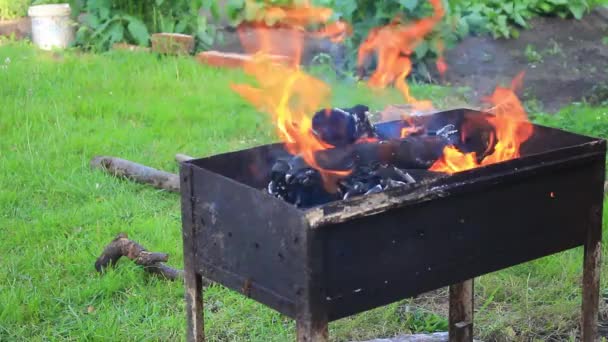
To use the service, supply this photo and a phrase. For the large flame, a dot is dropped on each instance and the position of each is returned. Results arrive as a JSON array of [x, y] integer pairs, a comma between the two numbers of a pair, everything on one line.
[[286, 92], [512, 128], [394, 45], [281, 30], [292, 97]]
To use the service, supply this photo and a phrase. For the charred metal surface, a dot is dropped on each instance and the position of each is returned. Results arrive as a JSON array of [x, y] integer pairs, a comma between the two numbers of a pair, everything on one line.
[[193, 280], [344, 257], [375, 260], [249, 242]]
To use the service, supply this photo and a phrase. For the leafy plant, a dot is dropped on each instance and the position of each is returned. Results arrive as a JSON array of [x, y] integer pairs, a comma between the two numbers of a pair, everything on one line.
[[11, 9], [502, 19], [104, 25], [110, 21], [362, 14], [562, 8]]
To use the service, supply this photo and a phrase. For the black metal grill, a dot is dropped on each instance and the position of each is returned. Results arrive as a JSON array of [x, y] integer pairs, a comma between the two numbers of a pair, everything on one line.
[[345, 257]]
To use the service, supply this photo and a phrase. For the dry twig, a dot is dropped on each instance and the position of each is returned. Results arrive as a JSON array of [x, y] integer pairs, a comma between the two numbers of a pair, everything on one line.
[[152, 262]]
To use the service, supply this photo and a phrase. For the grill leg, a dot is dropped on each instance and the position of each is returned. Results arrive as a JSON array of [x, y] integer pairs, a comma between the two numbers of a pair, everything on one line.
[[461, 312], [591, 281], [312, 330], [194, 306]]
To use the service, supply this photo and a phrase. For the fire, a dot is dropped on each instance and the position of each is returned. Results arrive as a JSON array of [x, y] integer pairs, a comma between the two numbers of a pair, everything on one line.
[[442, 66], [291, 96], [512, 130], [286, 92], [410, 128], [394, 45], [286, 35]]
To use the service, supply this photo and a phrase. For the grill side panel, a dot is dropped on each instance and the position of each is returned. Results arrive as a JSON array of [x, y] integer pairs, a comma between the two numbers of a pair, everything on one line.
[[248, 241], [379, 259]]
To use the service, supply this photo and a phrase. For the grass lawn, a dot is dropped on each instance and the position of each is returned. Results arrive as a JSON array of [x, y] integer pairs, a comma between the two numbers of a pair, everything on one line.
[[57, 111]]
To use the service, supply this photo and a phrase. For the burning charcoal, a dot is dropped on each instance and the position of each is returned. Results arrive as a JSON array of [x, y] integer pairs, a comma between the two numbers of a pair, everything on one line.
[[446, 131], [376, 189], [418, 152], [364, 126], [390, 184], [294, 181], [297, 165], [478, 136], [374, 165], [420, 174], [352, 189], [414, 152], [405, 176], [279, 170], [340, 127]]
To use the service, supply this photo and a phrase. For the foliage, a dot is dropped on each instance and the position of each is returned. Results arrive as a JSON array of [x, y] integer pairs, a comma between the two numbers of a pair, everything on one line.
[[110, 21], [500, 18], [363, 16], [503, 18], [11, 9]]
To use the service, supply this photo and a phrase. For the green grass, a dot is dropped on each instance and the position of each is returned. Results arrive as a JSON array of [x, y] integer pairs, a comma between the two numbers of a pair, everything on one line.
[[58, 110]]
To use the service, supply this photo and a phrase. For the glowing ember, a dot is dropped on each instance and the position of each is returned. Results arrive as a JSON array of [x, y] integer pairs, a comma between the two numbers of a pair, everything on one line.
[[394, 45], [512, 130]]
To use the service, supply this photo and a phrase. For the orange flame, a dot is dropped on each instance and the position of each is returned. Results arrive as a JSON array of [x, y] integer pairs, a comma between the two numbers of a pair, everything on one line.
[[290, 95], [512, 129], [285, 37], [410, 128], [442, 66], [394, 44]]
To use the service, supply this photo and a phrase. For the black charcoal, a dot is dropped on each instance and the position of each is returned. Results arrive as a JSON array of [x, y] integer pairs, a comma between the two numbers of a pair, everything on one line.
[[375, 164], [341, 127]]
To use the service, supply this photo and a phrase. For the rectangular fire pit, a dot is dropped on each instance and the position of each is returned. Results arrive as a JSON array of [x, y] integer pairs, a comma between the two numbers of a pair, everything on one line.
[[321, 264]]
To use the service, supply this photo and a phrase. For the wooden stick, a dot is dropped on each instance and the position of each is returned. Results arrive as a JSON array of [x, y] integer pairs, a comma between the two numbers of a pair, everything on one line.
[[137, 172], [461, 312], [152, 262]]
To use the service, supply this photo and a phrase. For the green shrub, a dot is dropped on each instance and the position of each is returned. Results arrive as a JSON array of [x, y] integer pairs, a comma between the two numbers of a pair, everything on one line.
[[110, 21], [500, 18], [503, 18], [11, 9]]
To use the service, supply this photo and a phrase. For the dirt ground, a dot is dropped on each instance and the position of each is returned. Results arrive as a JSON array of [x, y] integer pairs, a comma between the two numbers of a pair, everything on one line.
[[564, 61]]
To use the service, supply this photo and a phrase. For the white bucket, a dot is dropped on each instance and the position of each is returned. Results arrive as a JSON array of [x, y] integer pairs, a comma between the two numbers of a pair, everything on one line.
[[51, 26]]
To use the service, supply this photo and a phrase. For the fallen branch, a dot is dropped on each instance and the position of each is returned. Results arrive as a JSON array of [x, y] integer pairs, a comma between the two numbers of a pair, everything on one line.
[[137, 172], [152, 262]]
